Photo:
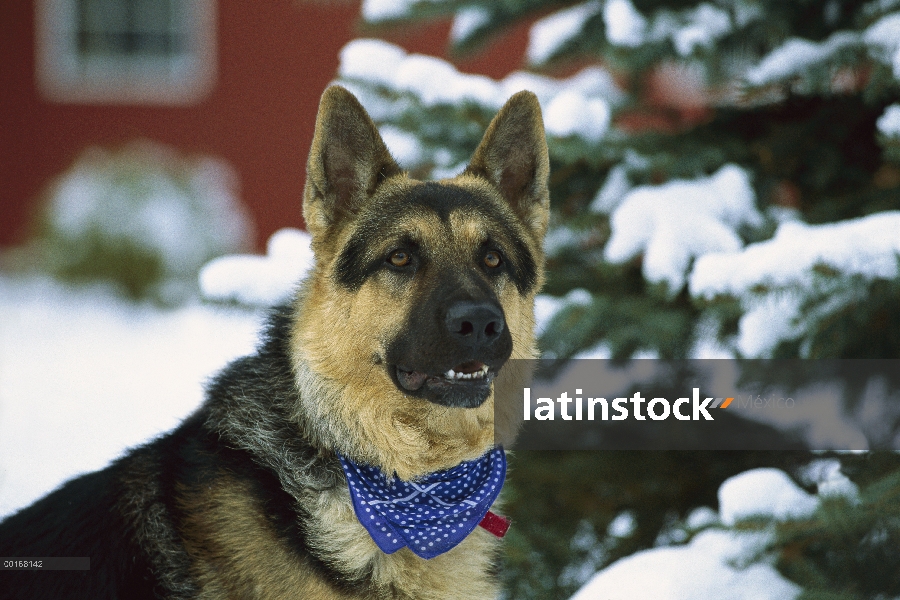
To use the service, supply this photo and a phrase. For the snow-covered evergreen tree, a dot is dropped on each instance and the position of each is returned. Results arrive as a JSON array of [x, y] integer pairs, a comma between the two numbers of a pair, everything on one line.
[[715, 163], [725, 182]]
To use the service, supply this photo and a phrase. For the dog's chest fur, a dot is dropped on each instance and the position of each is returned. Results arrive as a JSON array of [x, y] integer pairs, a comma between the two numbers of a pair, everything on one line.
[[268, 516], [249, 559]]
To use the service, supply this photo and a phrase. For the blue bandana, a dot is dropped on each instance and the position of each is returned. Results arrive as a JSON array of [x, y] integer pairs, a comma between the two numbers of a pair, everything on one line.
[[430, 515]]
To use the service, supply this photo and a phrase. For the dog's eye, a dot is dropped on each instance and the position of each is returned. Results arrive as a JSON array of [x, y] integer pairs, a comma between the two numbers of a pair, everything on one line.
[[399, 258], [492, 259]]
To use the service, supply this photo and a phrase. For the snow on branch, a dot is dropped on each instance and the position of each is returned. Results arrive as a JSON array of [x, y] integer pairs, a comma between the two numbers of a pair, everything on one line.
[[625, 26], [889, 122], [687, 29], [675, 223], [549, 34], [883, 39], [260, 281], [772, 278], [797, 56], [375, 11], [867, 246], [579, 105]]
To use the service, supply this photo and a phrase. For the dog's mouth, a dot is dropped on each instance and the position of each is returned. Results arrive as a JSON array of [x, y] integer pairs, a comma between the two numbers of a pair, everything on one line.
[[466, 372], [466, 385]]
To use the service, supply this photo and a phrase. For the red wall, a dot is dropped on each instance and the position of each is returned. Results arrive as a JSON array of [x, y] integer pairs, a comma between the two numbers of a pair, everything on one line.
[[275, 58]]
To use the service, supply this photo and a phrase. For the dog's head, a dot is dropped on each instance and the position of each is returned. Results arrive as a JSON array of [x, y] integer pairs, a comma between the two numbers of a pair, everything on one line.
[[422, 291]]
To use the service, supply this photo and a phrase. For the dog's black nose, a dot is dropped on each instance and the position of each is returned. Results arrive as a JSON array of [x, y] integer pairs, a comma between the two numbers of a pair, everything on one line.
[[475, 324]]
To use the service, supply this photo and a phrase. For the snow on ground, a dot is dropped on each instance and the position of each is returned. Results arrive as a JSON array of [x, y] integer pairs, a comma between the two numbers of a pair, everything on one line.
[[85, 375], [674, 223], [713, 564]]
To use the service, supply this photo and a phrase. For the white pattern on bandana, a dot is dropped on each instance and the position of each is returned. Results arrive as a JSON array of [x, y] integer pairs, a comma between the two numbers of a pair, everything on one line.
[[430, 515]]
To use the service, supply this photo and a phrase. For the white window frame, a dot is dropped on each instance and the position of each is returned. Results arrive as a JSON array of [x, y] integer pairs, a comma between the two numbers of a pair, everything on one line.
[[65, 75]]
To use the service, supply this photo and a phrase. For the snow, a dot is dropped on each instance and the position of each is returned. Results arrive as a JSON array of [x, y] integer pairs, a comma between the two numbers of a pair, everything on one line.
[[403, 146], [866, 246], [182, 210], [467, 21], [546, 306], [435, 81], [623, 526], [571, 113], [260, 280], [383, 10], [432, 80], [625, 26], [796, 56], [613, 190], [85, 375], [767, 493], [883, 38], [547, 35], [706, 24], [701, 517], [374, 11], [830, 482], [746, 12], [702, 569], [578, 105], [715, 562], [680, 221], [372, 61], [889, 123], [772, 277], [767, 322]]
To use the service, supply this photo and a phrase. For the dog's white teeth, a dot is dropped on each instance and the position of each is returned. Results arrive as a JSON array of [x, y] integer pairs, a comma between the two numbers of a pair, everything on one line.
[[480, 374]]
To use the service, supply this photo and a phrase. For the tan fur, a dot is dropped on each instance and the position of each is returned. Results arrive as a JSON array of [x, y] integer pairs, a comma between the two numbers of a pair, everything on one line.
[[237, 555]]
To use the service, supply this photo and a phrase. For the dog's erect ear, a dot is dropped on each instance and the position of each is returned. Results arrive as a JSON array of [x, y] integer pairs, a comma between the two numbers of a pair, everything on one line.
[[513, 156], [347, 162]]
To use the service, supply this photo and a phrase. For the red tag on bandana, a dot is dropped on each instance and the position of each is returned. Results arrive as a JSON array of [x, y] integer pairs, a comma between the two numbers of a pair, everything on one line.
[[495, 524]]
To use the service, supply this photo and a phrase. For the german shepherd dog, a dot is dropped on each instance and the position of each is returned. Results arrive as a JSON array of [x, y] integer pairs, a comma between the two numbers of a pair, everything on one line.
[[390, 357]]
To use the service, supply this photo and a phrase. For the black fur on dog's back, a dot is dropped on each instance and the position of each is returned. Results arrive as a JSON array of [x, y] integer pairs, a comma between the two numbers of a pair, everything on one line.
[[79, 519], [129, 517]]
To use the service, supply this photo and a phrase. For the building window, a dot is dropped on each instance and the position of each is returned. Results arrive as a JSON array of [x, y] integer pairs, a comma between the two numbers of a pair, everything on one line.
[[126, 51]]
